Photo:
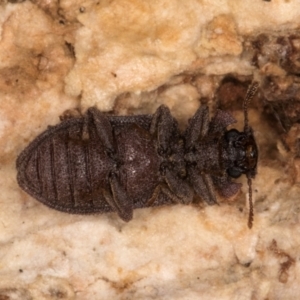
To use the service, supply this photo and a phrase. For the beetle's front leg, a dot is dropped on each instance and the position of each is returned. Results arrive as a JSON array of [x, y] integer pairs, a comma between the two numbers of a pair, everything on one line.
[[118, 199], [226, 187]]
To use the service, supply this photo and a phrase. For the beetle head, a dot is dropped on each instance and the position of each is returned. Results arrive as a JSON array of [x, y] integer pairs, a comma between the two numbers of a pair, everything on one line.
[[243, 152]]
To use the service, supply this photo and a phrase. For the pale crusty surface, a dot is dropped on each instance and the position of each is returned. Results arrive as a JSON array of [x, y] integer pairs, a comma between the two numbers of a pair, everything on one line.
[[132, 56], [132, 45]]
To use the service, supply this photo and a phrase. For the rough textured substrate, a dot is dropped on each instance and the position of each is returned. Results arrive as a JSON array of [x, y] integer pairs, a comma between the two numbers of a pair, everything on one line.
[[131, 56]]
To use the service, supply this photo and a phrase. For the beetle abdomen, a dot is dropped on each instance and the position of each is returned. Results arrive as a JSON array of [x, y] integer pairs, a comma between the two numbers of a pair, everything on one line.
[[65, 171]]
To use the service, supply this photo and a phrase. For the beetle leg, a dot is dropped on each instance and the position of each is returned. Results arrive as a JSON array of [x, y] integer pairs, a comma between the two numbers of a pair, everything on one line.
[[70, 114], [162, 188], [154, 196], [103, 128], [198, 126], [179, 187], [203, 186], [163, 124], [175, 188], [119, 200]]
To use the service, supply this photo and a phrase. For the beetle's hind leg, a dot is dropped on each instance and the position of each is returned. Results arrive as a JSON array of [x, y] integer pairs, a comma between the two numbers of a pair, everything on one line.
[[118, 199], [70, 114], [103, 128]]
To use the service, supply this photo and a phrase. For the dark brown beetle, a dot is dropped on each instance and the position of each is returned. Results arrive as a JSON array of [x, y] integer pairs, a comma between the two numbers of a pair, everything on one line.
[[99, 163]]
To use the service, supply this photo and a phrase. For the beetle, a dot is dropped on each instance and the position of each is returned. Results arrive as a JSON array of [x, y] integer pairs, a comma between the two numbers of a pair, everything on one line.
[[97, 163]]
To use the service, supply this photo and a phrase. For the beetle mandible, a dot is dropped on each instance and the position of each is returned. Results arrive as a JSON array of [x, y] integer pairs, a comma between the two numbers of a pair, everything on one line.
[[98, 163]]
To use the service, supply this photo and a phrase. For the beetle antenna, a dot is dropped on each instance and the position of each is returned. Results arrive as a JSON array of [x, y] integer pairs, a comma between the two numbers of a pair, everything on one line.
[[251, 214], [249, 96]]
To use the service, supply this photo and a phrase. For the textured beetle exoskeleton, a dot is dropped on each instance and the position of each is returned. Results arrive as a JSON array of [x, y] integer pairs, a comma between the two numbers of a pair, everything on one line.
[[98, 163]]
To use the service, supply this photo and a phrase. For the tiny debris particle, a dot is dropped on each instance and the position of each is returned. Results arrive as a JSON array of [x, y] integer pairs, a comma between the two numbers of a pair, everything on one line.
[[284, 266]]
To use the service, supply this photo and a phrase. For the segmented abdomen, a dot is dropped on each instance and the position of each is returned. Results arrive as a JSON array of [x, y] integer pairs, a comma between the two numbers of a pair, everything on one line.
[[67, 170]]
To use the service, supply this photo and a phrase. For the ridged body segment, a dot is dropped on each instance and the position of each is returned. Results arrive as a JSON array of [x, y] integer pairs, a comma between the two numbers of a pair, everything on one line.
[[68, 171]]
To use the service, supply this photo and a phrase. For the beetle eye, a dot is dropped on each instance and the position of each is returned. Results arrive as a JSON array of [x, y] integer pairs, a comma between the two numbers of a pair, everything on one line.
[[231, 135], [234, 172]]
